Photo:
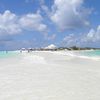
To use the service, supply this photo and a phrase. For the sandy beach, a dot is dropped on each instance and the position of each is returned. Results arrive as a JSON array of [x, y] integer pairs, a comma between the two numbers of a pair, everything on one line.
[[49, 76]]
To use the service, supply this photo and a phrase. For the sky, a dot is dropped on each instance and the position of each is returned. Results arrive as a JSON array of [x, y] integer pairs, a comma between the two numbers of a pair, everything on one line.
[[39, 23]]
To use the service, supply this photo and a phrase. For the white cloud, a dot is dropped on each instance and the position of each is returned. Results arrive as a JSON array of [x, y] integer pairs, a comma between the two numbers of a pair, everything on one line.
[[85, 39], [69, 14], [11, 23], [92, 35], [33, 22], [70, 40]]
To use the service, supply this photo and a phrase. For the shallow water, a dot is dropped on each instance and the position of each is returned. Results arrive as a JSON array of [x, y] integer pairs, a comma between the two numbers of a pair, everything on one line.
[[7, 54], [85, 54], [95, 53]]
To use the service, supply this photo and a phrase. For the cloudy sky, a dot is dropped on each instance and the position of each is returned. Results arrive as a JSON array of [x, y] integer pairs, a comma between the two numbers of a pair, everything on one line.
[[38, 23]]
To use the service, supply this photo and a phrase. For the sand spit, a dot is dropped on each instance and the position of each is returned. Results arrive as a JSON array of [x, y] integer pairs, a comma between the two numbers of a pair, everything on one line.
[[49, 76]]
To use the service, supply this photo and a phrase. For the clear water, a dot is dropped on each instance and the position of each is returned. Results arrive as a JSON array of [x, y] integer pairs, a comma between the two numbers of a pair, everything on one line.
[[92, 53], [4, 54]]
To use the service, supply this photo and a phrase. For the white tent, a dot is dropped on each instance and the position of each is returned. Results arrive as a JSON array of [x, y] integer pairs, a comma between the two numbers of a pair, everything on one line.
[[51, 46]]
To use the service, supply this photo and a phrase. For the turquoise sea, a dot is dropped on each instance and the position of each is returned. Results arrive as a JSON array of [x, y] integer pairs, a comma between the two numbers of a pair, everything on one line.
[[7, 54], [91, 53]]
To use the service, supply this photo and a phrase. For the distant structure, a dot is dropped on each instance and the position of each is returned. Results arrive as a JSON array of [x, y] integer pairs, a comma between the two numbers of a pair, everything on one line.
[[29, 50], [51, 47], [22, 49]]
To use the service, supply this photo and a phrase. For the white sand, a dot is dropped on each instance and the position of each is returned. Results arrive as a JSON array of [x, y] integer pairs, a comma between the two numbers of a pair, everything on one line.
[[49, 76]]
